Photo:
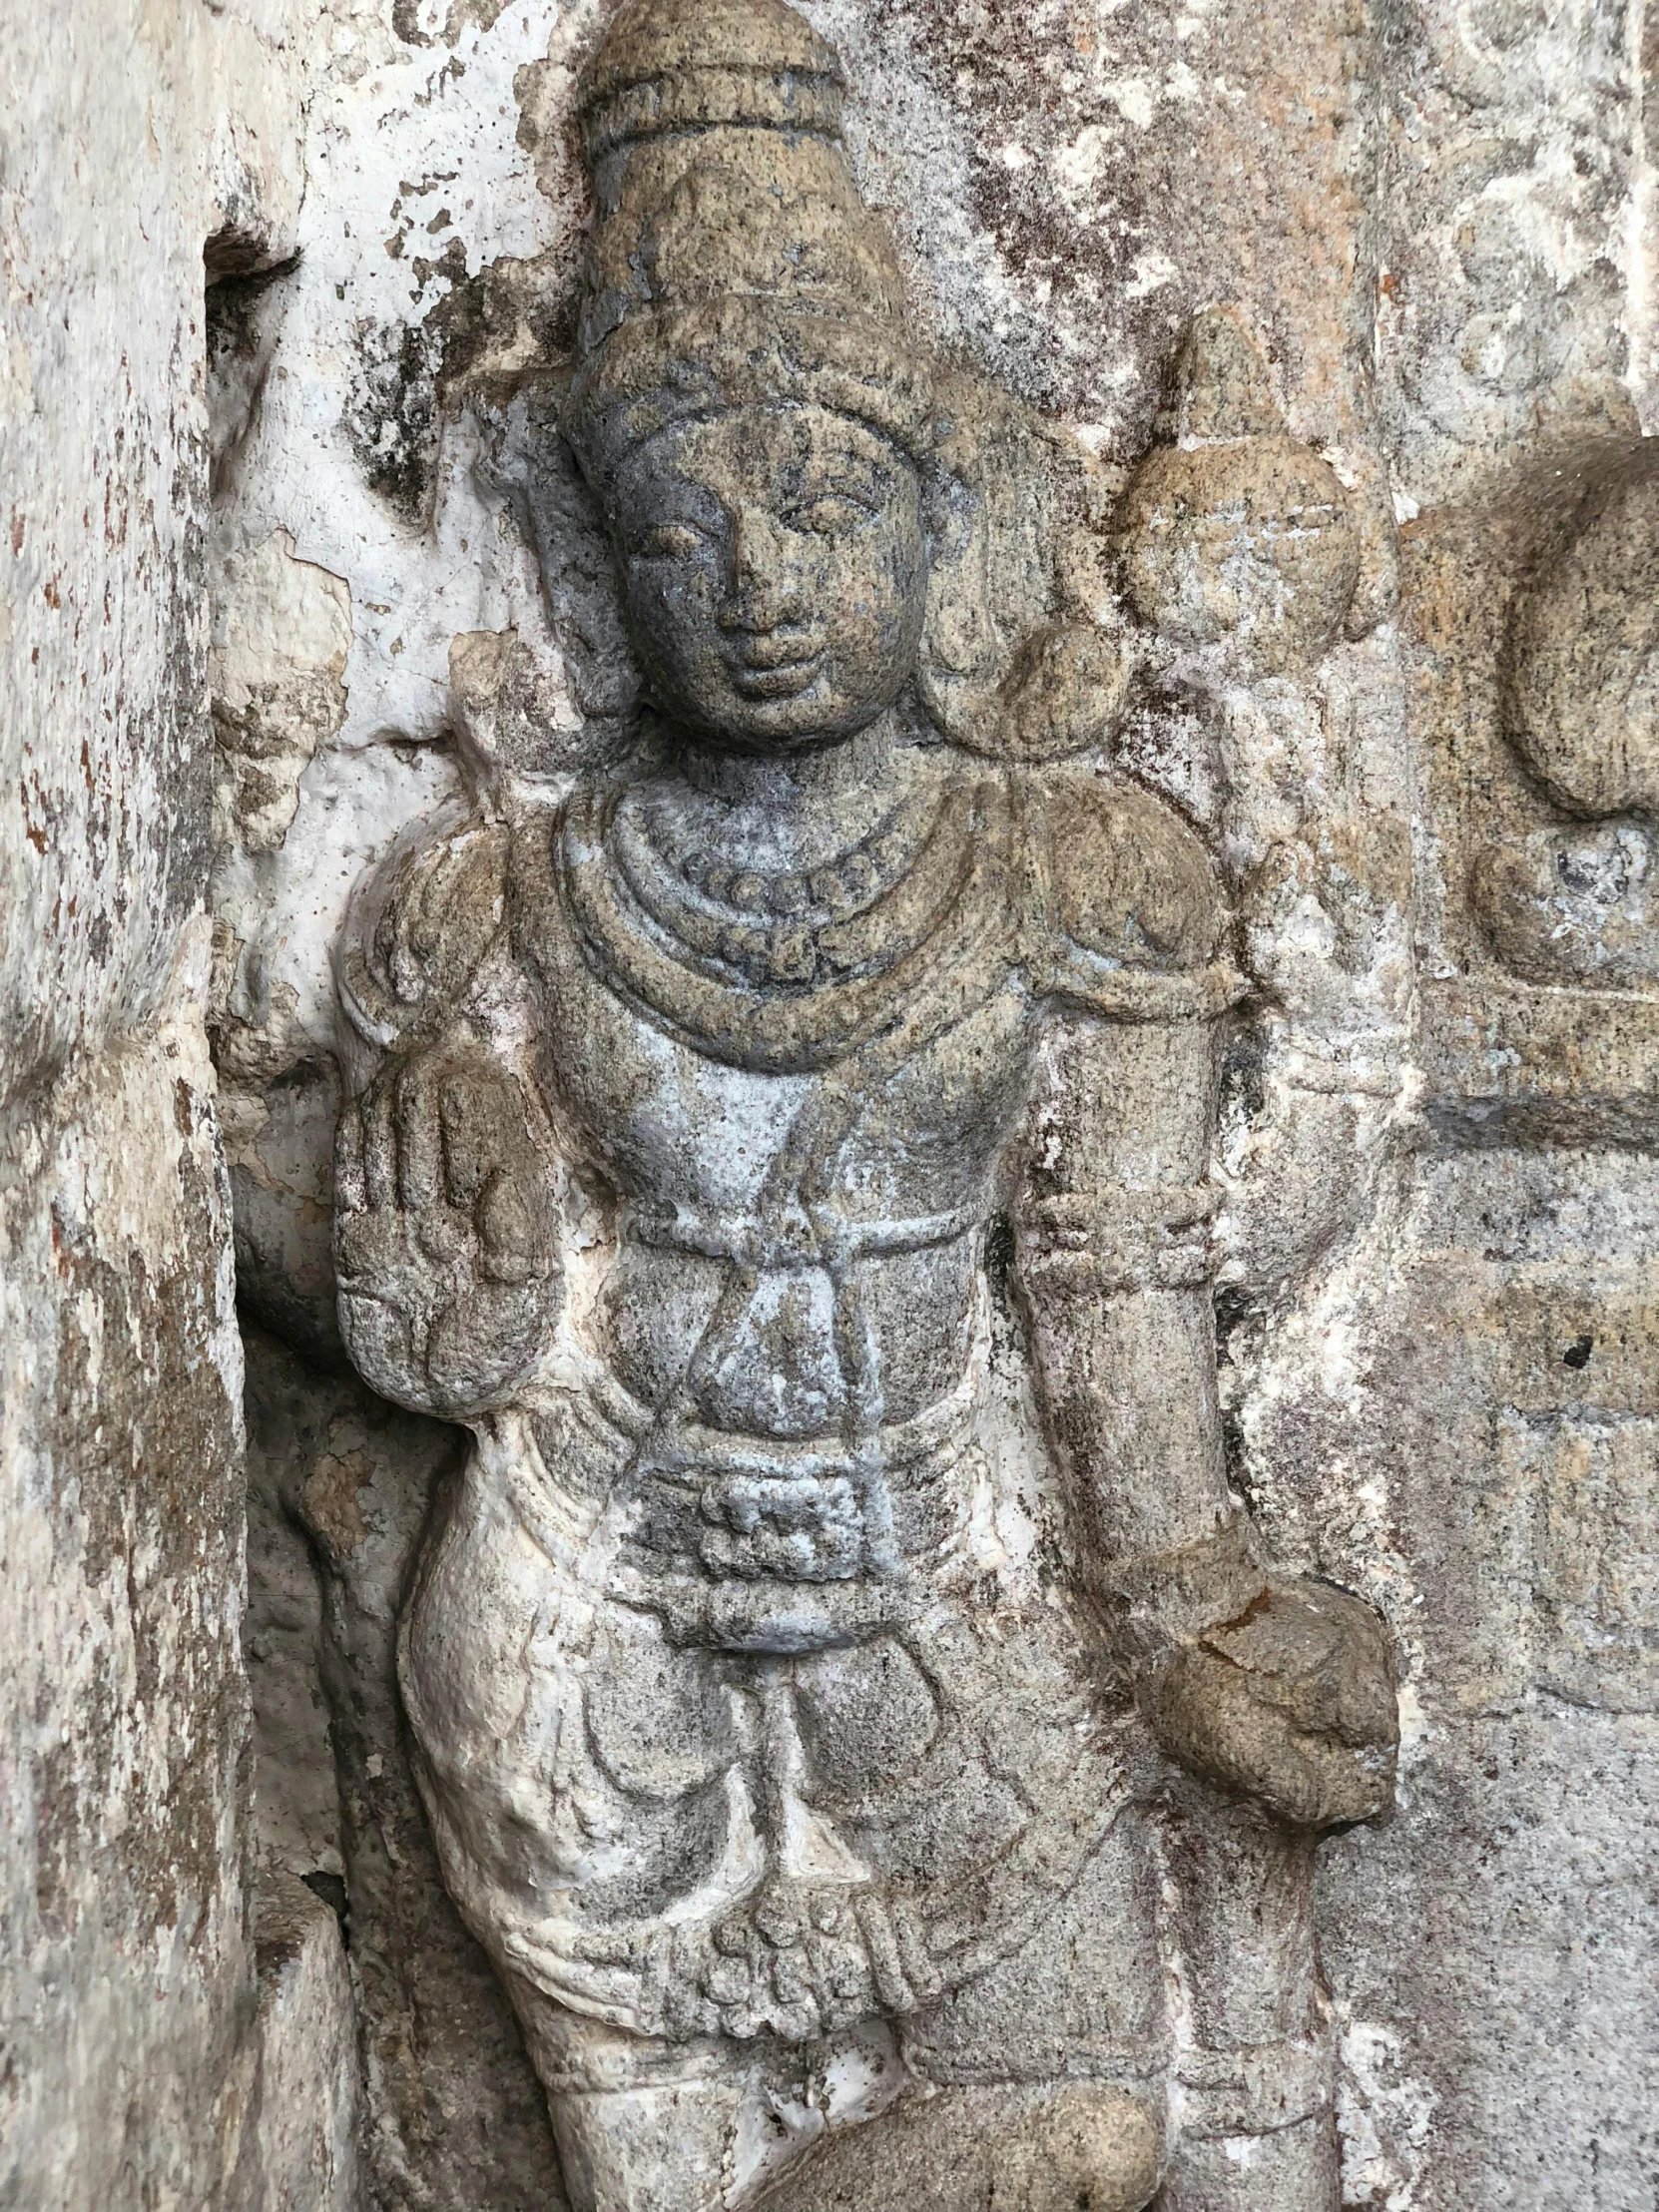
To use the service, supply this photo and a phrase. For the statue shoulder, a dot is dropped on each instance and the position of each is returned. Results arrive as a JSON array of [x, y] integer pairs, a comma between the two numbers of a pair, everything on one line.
[[422, 924], [1134, 915]]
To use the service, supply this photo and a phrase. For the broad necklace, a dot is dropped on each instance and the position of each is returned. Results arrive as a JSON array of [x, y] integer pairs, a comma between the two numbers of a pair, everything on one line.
[[790, 968], [853, 913]]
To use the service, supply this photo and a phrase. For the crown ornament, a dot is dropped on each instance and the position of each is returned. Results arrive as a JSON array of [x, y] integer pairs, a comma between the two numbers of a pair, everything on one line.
[[731, 260], [692, 65]]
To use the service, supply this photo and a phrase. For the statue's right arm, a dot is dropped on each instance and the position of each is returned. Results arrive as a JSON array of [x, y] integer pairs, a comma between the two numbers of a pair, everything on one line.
[[445, 1214]]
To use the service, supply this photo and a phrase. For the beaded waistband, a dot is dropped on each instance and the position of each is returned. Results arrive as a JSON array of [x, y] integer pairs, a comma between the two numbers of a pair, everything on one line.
[[746, 1541], [809, 1238]]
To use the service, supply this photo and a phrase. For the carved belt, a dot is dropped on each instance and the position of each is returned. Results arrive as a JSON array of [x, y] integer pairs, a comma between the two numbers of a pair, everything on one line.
[[778, 1511], [744, 1541], [810, 1237], [786, 1927]]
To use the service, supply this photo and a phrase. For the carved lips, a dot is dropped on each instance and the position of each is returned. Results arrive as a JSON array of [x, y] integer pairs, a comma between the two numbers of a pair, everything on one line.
[[776, 664]]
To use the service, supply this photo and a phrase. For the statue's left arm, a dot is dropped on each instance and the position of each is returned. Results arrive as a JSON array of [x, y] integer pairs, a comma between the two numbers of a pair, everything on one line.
[[446, 1225], [1266, 1683]]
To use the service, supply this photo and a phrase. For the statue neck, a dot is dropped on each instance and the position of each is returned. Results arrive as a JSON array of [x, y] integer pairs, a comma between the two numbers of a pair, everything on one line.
[[795, 809]]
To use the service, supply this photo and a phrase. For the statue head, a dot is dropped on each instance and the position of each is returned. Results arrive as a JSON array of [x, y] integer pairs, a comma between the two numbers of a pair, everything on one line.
[[749, 407]]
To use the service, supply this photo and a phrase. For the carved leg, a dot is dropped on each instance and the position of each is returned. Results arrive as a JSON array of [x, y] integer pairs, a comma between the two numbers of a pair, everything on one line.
[[1081, 2000], [1258, 2132], [1082, 2144], [670, 2148], [703, 2126], [1284, 2172], [1008, 2107]]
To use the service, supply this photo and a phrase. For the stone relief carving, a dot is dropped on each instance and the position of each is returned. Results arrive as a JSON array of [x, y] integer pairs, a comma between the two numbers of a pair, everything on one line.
[[1574, 903], [1535, 650], [786, 1146]]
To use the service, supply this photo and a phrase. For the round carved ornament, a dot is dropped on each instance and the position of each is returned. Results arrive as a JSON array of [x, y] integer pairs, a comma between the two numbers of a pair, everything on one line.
[[1249, 539], [1583, 688]]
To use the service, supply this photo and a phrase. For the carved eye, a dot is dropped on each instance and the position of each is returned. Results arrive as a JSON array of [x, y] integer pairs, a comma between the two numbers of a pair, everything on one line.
[[671, 541], [832, 516]]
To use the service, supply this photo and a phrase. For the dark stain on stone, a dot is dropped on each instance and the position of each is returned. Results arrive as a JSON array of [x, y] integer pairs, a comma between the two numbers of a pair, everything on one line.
[[434, 2022], [1243, 1071], [144, 1443], [331, 1889], [462, 15], [483, 316], [1021, 73], [411, 376], [391, 419]]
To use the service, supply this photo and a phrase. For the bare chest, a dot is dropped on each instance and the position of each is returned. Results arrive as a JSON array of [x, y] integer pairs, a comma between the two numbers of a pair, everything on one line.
[[871, 1138]]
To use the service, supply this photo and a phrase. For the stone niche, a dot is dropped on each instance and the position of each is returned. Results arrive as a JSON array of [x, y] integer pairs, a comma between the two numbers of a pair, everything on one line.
[[872, 837]]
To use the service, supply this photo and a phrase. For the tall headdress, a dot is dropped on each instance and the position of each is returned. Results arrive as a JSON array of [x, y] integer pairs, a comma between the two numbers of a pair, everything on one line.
[[731, 259]]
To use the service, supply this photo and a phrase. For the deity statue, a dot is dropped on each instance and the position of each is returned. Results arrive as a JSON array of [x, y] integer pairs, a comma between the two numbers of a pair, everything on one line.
[[786, 1150]]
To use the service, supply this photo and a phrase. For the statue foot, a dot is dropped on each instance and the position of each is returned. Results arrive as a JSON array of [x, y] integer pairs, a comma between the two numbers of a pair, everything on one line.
[[645, 2125], [708, 2145]]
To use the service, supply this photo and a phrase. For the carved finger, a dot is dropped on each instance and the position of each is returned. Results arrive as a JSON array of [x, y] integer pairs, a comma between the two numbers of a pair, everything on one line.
[[512, 1229], [419, 1151], [441, 1234], [379, 1147], [351, 1188], [478, 1132], [379, 1340], [368, 1245]]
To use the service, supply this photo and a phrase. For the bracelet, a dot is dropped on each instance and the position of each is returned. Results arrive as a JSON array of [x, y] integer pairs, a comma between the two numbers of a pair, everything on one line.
[[1174, 1596]]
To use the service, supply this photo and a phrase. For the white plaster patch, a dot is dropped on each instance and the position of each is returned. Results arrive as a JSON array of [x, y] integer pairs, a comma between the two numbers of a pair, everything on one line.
[[1384, 2116], [1151, 272], [1077, 165], [1134, 96]]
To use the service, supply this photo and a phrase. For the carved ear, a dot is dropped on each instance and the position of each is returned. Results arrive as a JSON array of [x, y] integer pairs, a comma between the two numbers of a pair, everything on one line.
[[1001, 506], [578, 572], [1011, 666]]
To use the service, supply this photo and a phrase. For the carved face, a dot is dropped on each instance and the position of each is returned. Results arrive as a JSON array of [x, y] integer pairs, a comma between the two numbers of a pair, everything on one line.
[[774, 570]]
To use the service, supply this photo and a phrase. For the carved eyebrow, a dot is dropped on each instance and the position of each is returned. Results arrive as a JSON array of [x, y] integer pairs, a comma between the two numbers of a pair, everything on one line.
[[662, 499], [812, 497], [848, 474]]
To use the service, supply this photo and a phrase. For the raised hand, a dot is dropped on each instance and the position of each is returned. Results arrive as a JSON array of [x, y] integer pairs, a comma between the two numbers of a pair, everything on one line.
[[444, 1232]]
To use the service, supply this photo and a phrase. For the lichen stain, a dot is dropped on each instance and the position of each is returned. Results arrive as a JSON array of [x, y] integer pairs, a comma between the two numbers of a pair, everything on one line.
[[148, 1445]]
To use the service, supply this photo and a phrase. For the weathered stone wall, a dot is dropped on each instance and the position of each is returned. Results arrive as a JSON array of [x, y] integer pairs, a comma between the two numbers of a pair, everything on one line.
[[1438, 1308], [135, 143]]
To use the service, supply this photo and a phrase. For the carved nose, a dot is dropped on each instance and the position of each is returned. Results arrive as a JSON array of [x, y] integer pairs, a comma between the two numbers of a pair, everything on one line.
[[764, 590]]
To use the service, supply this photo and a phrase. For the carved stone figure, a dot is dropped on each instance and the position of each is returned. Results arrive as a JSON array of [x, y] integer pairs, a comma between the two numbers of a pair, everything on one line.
[[788, 1152]]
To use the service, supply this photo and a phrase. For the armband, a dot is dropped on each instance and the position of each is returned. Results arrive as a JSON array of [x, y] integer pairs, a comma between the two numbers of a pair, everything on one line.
[[1155, 1240]]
